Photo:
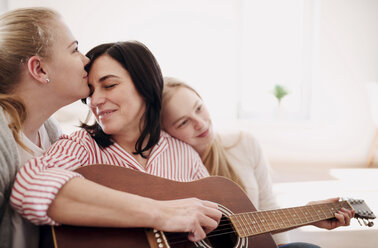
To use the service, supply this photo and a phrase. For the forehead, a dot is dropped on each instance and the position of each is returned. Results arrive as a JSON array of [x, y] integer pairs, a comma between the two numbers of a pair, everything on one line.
[[184, 95], [181, 102], [104, 66], [62, 34]]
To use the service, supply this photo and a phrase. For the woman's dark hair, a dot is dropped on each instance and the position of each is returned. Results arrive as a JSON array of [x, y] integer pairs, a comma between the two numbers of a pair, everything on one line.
[[145, 72]]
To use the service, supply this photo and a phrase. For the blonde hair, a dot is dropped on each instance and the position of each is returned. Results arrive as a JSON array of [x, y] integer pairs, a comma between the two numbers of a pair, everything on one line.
[[23, 33], [215, 158]]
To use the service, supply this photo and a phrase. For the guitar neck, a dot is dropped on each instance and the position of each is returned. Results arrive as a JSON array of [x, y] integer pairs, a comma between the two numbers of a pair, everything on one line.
[[253, 223]]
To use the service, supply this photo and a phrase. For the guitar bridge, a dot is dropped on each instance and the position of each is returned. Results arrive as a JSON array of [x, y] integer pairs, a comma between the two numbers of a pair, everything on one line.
[[156, 238]]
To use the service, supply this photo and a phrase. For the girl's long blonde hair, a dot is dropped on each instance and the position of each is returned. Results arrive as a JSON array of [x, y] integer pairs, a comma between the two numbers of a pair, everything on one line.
[[23, 33], [215, 158]]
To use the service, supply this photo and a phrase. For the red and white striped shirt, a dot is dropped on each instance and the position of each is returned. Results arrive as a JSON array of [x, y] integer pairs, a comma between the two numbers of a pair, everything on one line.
[[38, 182]]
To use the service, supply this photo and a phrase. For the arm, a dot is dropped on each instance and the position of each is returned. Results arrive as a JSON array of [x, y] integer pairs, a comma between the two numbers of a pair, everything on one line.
[[267, 198], [47, 192], [342, 218], [9, 161], [82, 202]]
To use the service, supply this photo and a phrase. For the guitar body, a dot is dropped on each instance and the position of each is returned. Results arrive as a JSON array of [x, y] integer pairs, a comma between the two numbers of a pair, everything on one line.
[[216, 189]]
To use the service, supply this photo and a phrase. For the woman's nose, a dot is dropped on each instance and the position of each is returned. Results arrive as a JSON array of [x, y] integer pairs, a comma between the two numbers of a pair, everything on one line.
[[96, 99], [85, 59], [199, 123]]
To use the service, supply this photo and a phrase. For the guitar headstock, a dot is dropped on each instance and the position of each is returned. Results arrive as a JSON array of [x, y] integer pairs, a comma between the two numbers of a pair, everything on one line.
[[363, 212]]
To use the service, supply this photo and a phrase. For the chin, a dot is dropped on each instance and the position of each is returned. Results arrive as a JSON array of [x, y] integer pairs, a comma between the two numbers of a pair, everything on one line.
[[109, 130], [85, 94], [105, 129]]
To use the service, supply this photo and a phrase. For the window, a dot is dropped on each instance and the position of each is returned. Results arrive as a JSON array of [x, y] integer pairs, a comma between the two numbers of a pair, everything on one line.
[[277, 45]]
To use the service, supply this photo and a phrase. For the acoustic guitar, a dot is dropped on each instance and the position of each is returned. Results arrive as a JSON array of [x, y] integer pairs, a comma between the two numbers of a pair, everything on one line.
[[240, 226]]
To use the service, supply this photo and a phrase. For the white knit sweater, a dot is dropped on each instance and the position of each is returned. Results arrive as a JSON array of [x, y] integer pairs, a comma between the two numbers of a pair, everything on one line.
[[247, 158], [9, 165]]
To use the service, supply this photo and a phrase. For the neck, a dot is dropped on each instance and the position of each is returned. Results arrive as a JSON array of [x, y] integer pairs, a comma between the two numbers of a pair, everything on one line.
[[203, 150], [253, 223], [40, 105], [127, 140]]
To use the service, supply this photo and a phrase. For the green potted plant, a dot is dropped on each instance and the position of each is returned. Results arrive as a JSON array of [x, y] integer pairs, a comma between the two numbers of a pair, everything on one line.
[[279, 93]]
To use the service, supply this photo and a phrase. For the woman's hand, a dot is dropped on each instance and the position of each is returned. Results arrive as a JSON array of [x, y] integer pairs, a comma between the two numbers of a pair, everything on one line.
[[191, 215], [342, 217]]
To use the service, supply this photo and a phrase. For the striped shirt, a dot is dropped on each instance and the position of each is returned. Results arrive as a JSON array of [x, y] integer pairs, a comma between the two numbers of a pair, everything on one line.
[[38, 182]]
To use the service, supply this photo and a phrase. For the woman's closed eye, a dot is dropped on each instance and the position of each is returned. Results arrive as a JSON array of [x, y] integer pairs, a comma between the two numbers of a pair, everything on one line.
[[109, 86], [183, 123], [199, 108]]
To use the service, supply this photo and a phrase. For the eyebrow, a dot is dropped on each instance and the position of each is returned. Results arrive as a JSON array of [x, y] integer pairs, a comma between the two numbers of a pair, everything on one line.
[[178, 120], [194, 106], [73, 43], [196, 103], [104, 78]]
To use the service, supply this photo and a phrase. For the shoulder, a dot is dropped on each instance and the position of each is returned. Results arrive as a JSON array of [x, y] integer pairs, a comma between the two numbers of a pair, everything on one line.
[[4, 129], [8, 144], [176, 144], [237, 138], [9, 157], [81, 136], [241, 146]]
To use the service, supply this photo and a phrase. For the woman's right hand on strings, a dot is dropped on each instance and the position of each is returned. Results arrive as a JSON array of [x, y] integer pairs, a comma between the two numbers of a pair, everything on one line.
[[191, 215]]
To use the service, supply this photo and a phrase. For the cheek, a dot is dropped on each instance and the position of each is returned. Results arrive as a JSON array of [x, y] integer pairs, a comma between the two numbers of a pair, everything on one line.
[[181, 134], [186, 136], [206, 115]]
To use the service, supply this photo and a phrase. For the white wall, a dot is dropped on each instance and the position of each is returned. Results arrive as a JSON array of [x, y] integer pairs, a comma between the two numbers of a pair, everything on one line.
[[200, 41], [345, 57], [196, 40]]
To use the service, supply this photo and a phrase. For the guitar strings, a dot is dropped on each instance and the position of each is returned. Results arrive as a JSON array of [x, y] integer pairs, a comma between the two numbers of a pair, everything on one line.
[[224, 228], [178, 240], [217, 232], [183, 240]]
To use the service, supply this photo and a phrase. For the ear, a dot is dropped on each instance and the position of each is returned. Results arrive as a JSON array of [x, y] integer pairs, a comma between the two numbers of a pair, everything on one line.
[[37, 70]]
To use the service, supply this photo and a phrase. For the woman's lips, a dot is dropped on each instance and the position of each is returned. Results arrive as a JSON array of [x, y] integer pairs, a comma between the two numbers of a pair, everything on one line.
[[204, 134], [105, 114]]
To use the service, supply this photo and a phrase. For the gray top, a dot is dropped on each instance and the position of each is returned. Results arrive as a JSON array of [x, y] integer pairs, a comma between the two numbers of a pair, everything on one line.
[[9, 165]]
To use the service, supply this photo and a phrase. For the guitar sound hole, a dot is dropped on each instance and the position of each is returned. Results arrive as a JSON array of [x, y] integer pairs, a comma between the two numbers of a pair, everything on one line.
[[223, 236]]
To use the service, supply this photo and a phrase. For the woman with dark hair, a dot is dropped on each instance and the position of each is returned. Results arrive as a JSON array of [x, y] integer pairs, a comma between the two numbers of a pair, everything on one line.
[[126, 86]]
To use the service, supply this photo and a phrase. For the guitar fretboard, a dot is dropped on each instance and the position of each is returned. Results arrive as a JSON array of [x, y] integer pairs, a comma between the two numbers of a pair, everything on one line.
[[252, 223]]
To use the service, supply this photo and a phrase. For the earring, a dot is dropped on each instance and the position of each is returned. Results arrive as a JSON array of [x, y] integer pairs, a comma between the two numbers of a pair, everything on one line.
[[47, 80]]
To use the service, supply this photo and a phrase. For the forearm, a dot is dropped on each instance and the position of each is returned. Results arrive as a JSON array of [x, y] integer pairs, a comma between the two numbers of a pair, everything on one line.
[[82, 202]]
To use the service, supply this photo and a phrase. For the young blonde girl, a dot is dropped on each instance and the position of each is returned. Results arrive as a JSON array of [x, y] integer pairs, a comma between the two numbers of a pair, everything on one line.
[[41, 70], [236, 155]]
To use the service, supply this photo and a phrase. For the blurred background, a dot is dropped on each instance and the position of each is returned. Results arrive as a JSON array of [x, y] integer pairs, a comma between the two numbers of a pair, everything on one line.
[[301, 75], [324, 53]]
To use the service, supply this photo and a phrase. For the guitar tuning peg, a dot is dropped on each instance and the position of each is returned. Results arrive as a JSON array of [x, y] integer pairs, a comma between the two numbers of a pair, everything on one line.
[[368, 223], [359, 222]]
